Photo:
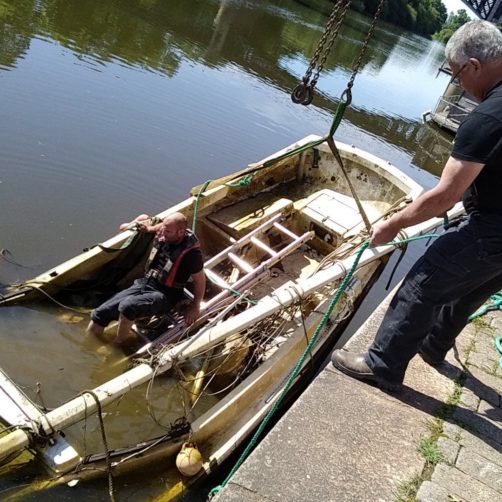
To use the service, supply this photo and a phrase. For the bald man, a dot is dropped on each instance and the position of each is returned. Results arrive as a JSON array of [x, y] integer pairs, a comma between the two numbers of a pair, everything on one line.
[[174, 259]]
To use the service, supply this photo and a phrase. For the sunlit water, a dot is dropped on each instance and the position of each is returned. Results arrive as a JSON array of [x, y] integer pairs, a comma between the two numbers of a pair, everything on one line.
[[111, 109]]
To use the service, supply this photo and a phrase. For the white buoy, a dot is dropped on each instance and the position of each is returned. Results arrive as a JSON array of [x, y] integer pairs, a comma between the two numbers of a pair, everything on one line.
[[189, 460]]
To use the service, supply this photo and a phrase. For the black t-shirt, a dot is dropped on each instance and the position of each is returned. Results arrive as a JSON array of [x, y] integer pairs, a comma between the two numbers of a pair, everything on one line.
[[479, 139]]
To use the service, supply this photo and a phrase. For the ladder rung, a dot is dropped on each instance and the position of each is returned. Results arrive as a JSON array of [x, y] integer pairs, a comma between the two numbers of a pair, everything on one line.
[[253, 277], [244, 265], [262, 245], [242, 241], [286, 231]]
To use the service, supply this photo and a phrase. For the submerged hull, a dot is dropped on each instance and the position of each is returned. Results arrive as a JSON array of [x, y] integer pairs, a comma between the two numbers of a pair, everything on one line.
[[296, 228]]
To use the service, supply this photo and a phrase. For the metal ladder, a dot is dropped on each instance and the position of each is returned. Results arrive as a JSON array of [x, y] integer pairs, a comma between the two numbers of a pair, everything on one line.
[[235, 285], [252, 274]]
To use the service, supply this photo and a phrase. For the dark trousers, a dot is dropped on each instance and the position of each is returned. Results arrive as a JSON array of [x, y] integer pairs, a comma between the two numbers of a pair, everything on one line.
[[454, 277], [142, 299]]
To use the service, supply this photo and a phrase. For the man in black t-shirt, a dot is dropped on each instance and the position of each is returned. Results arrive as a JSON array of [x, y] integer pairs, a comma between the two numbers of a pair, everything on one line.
[[174, 259], [462, 268]]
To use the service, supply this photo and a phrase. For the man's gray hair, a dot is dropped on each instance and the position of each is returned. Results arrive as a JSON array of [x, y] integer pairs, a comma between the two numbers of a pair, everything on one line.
[[476, 39]]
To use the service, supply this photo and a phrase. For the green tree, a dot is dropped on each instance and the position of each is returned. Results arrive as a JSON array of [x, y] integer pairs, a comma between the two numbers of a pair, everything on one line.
[[453, 23], [431, 14], [424, 17]]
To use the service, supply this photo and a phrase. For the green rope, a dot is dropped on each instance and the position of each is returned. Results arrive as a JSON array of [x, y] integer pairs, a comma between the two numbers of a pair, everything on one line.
[[495, 303], [307, 351], [244, 181], [295, 371]]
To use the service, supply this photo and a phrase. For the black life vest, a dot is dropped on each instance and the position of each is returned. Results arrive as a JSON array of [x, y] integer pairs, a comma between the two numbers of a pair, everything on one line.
[[167, 274]]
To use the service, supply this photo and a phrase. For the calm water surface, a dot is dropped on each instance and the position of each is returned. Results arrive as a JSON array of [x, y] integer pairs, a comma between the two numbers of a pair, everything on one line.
[[111, 109]]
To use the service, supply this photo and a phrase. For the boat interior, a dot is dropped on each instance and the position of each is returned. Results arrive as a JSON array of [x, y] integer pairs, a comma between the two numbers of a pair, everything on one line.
[[290, 221], [281, 226]]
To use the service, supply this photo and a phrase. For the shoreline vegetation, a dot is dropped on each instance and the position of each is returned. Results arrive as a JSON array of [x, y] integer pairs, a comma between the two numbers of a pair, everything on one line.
[[428, 18]]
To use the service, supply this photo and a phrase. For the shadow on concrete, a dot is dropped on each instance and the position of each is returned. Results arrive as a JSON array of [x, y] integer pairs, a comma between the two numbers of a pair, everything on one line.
[[469, 420]]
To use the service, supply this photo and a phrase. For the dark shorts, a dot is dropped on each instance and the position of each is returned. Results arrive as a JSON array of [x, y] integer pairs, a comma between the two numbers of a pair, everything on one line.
[[142, 299]]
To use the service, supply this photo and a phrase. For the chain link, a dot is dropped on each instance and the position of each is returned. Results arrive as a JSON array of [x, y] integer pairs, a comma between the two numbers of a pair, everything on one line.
[[303, 93], [330, 43], [357, 65], [322, 41]]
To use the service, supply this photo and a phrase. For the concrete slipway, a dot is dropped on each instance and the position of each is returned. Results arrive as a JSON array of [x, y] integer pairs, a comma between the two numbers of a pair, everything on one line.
[[345, 440]]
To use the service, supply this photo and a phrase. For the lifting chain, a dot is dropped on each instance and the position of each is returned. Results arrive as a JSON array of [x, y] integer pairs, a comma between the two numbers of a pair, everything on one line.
[[347, 94], [303, 93]]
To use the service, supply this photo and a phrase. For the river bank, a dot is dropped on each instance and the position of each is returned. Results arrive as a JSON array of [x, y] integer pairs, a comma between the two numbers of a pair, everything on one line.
[[438, 440]]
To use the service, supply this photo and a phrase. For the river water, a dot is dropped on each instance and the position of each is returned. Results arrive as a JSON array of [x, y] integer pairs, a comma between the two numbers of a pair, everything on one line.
[[111, 109]]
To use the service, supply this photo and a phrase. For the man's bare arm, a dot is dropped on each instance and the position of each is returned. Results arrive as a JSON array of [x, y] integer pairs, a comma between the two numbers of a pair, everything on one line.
[[457, 176]]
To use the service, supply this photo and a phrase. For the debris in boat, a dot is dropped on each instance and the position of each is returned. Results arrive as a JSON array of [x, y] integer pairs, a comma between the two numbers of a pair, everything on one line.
[[189, 460], [199, 380], [228, 361]]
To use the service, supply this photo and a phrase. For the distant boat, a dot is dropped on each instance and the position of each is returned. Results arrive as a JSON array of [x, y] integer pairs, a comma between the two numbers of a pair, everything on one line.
[[452, 107], [278, 238]]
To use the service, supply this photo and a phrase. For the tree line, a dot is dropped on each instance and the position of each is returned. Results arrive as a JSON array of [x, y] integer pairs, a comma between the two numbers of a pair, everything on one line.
[[428, 18]]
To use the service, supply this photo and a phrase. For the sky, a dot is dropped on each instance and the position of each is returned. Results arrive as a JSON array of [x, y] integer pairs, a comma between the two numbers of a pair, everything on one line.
[[455, 5]]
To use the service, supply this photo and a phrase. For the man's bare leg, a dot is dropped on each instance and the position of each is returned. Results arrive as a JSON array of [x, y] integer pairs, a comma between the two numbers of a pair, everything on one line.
[[124, 334], [95, 329]]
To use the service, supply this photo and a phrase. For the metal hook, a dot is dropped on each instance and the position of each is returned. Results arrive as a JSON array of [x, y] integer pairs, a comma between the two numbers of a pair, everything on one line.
[[347, 96], [302, 94]]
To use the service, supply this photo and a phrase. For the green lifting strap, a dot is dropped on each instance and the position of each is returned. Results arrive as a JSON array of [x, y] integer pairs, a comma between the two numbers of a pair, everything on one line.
[[340, 111]]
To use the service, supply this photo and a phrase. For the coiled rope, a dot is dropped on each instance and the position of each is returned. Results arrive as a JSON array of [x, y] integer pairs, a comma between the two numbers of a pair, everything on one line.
[[495, 303]]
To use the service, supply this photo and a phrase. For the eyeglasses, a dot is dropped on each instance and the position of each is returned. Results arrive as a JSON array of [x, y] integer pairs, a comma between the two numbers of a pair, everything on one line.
[[456, 75]]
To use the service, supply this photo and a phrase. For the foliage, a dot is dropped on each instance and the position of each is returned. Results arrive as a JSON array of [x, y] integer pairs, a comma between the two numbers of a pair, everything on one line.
[[424, 17], [452, 24], [407, 490], [429, 450]]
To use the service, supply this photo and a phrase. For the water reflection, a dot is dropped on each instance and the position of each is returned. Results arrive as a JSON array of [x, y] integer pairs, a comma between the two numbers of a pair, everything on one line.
[[260, 36]]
